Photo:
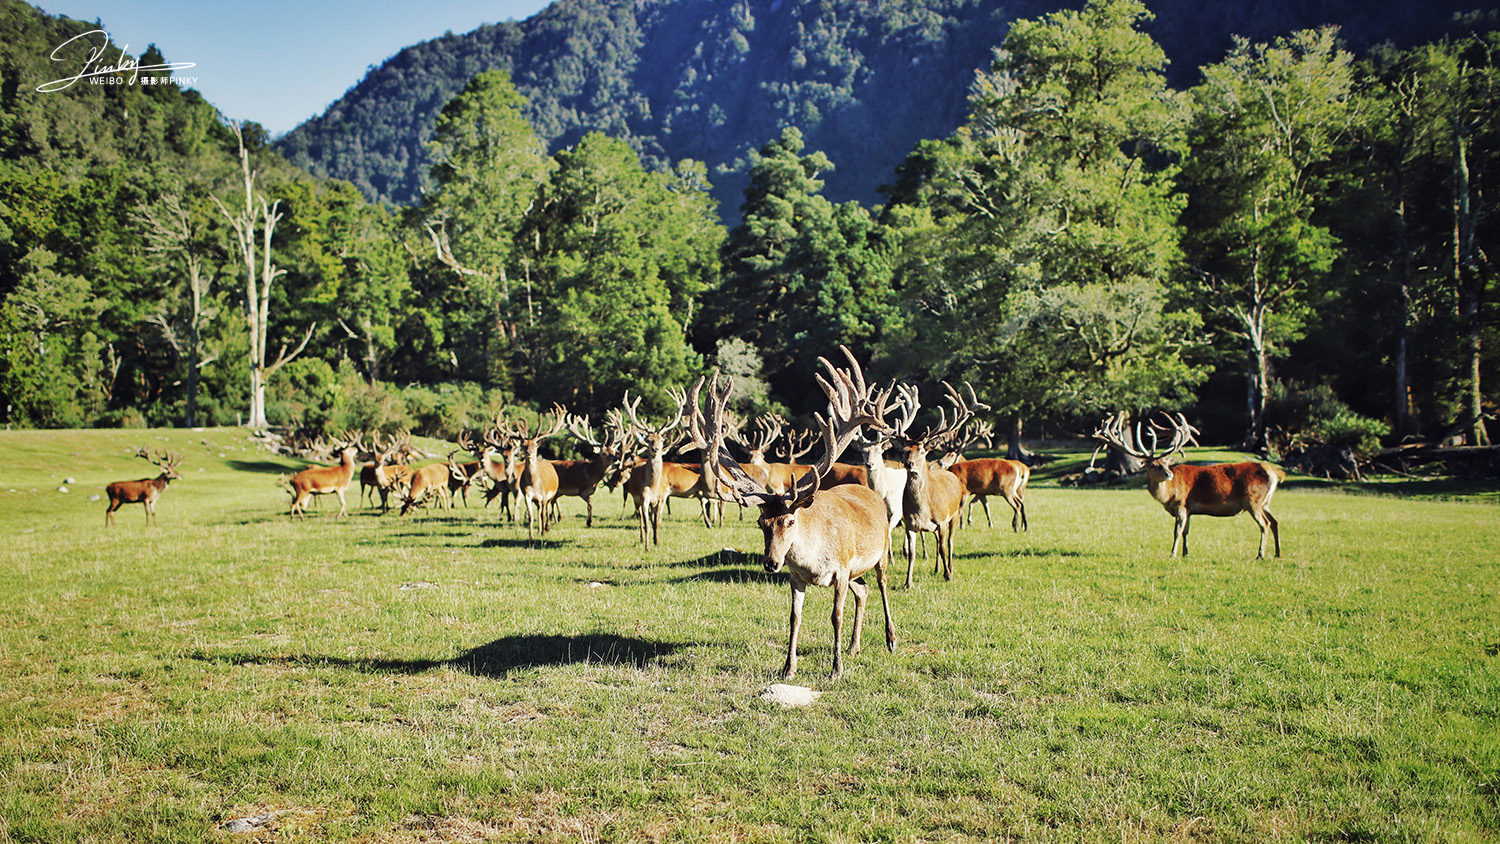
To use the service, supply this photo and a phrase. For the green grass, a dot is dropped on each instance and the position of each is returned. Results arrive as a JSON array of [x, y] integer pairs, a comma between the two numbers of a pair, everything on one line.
[[439, 678]]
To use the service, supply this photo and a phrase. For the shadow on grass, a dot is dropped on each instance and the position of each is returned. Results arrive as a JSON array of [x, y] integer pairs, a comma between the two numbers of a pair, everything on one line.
[[523, 542], [496, 659], [1018, 552], [735, 576], [263, 466]]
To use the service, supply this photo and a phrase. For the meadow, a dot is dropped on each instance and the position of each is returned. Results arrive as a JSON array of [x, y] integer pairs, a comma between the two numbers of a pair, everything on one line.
[[438, 678]]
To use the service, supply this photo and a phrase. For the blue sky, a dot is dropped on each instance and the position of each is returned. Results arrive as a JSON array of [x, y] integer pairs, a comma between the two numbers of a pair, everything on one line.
[[279, 62]]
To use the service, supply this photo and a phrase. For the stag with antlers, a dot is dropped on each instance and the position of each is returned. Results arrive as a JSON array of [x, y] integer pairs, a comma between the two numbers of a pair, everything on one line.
[[497, 456], [822, 537], [582, 477], [933, 496], [537, 482], [146, 490], [1221, 489], [321, 480], [651, 482]]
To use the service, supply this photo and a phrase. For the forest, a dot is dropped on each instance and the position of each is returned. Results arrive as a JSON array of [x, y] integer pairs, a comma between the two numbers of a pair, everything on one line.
[[1292, 248]]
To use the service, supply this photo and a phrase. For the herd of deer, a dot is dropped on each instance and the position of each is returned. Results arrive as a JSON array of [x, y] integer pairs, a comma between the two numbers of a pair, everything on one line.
[[826, 524]]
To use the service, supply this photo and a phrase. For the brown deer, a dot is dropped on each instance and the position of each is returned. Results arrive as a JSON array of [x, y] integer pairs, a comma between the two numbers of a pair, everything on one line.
[[582, 477], [653, 485], [822, 537], [321, 480], [432, 480], [986, 476], [146, 490], [389, 472], [497, 458], [1220, 489], [537, 482], [933, 496]]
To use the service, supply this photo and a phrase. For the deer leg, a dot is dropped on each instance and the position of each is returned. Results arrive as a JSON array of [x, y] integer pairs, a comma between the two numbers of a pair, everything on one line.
[[343, 505], [861, 597], [1267, 522], [1180, 534], [945, 548], [1018, 519], [885, 603], [589, 500], [911, 555], [799, 596], [984, 501], [840, 593]]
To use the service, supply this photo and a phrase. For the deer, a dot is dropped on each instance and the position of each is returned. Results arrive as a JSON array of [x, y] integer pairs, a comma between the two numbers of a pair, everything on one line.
[[1220, 489], [537, 482], [582, 477], [504, 473], [461, 476], [986, 476], [933, 495], [386, 476], [146, 490], [886, 478], [651, 484], [821, 536], [432, 479], [321, 480]]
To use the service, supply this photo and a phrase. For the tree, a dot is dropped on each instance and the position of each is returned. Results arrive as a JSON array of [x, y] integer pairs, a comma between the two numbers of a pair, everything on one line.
[[801, 275], [618, 257], [174, 235], [1267, 120], [1037, 267], [488, 163], [260, 278]]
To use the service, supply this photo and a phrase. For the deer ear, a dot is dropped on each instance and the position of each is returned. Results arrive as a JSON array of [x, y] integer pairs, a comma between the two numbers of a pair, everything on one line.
[[799, 503]]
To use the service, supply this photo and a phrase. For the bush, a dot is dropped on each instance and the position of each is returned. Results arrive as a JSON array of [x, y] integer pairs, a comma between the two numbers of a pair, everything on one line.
[[1348, 430], [444, 410]]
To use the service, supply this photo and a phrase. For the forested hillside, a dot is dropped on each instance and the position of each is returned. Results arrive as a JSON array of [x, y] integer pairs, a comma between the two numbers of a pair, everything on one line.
[[712, 80], [1292, 248]]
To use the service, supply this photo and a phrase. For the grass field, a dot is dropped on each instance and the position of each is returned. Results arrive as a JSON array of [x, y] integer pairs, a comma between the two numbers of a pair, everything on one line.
[[437, 678]]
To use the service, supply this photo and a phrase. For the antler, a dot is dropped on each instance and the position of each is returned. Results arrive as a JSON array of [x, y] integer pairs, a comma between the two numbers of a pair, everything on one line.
[[160, 458], [582, 430], [677, 396], [1112, 432], [767, 429], [851, 405]]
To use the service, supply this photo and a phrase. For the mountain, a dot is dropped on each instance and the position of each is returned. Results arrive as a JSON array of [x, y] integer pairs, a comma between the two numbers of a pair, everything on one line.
[[713, 80]]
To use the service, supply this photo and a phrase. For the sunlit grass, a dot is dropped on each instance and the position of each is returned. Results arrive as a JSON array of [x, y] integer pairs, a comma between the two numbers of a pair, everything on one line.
[[439, 678]]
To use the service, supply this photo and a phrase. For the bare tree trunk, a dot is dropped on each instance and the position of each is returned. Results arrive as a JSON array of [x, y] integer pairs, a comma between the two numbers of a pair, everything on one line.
[[1402, 416], [1468, 279]]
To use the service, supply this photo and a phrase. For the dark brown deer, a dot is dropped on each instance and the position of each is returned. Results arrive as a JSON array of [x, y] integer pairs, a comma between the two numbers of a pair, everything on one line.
[[146, 490], [582, 477], [1220, 489], [822, 537]]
